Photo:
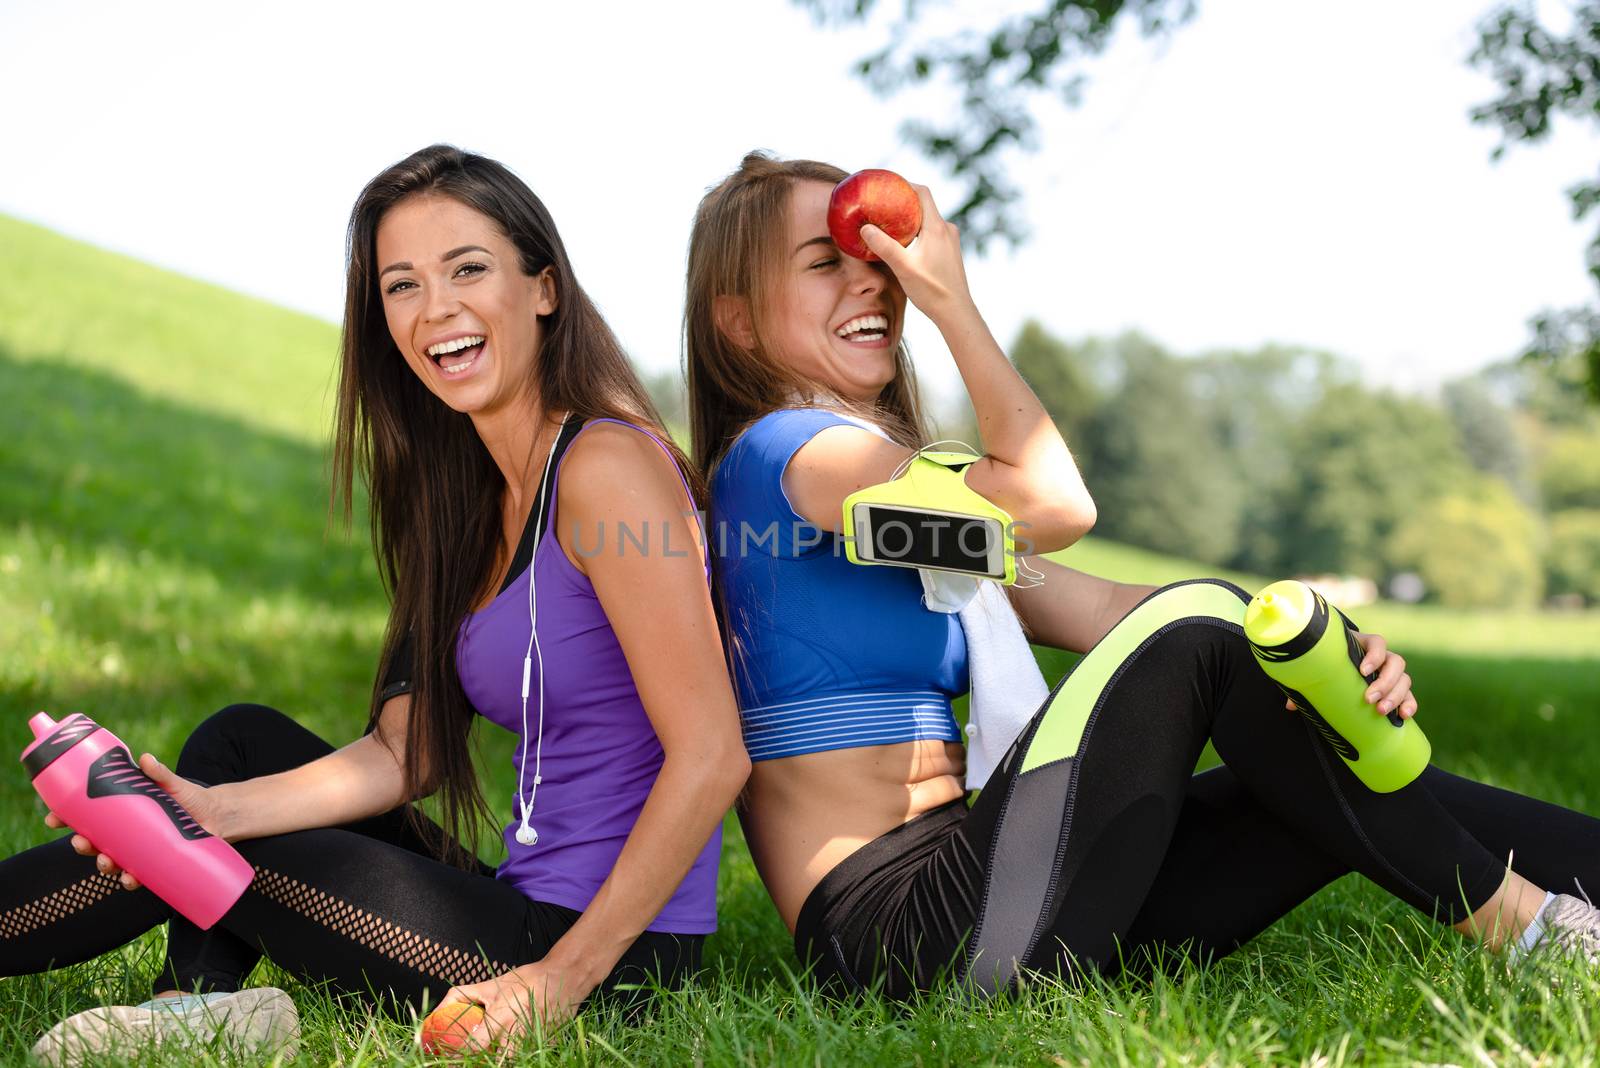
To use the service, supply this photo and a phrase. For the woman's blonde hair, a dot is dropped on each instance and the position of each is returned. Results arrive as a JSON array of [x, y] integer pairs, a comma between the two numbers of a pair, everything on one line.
[[737, 249]]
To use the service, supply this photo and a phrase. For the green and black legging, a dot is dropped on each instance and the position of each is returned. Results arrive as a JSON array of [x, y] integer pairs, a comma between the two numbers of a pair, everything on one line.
[[1094, 841]]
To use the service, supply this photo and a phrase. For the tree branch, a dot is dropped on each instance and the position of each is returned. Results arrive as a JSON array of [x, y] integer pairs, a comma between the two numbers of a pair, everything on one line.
[[996, 73]]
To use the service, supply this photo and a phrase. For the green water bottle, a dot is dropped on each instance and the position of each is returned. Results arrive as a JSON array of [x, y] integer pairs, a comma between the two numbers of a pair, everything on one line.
[[1315, 660]]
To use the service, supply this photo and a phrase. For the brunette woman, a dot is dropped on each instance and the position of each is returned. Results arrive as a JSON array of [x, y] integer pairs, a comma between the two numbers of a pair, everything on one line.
[[498, 427]]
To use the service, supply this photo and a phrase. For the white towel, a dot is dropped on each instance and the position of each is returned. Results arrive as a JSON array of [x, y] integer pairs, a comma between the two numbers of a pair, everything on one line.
[[1007, 686]]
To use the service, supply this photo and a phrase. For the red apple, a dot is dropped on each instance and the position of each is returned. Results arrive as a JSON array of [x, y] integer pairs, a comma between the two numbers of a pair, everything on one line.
[[447, 1028], [879, 197]]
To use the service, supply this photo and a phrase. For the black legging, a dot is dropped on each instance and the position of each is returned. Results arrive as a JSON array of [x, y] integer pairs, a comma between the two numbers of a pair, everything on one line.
[[1094, 840], [364, 907]]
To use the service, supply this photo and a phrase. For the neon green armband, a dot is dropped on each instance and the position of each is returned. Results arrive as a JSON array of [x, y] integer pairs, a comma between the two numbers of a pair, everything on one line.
[[929, 518]]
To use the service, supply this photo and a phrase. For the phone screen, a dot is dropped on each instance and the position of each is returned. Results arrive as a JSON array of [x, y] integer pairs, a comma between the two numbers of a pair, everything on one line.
[[914, 538]]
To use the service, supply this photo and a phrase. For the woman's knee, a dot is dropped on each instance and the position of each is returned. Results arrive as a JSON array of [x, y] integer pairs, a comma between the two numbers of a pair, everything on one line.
[[219, 743], [1206, 603], [1222, 583], [1203, 615]]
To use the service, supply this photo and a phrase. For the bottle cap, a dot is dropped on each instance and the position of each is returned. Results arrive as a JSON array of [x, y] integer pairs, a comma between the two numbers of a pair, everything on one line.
[[1279, 613], [60, 737]]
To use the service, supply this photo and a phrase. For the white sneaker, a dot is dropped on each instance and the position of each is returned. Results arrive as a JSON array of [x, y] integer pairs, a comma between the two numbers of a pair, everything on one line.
[[259, 1020], [1573, 925]]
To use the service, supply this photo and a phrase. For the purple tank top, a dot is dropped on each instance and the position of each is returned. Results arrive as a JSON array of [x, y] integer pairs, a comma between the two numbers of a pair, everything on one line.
[[601, 756]]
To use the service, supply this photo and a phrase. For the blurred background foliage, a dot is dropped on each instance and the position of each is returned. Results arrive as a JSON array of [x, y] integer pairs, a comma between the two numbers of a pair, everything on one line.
[[1281, 461]]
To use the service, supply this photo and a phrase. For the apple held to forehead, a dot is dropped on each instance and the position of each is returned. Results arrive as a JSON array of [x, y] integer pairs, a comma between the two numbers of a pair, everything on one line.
[[879, 197]]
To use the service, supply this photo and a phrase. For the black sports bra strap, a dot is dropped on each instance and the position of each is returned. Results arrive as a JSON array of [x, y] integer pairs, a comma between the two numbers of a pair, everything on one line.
[[397, 679], [532, 530]]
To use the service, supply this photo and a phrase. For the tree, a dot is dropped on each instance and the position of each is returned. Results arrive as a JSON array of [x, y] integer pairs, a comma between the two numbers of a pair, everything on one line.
[[1487, 435], [1475, 547], [1254, 401], [1572, 563], [1542, 74], [1362, 464], [669, 395], [1158, 474], [1550, 394], [996, 73], [1056, 375], [1569, 470]]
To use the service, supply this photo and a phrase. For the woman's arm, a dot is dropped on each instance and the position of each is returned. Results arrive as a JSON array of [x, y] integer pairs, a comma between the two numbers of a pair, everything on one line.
[[1071, 610], [360, 780], [660, 608], [1027, 469]]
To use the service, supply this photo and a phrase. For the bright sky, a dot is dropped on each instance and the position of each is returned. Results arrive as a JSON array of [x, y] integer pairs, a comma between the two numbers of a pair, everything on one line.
[[1302, 173]]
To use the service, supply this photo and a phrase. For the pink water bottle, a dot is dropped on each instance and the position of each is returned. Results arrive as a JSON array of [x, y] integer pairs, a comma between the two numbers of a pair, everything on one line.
[[88, 777]]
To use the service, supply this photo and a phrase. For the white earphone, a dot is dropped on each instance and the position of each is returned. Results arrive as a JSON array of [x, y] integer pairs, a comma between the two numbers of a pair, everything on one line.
[[526, 835]]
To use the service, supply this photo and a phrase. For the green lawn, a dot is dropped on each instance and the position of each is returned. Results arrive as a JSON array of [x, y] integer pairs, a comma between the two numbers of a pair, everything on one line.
[[164, 551]]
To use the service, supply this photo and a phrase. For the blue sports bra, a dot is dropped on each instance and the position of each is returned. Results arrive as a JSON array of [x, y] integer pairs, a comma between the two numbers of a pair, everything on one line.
[[827, 654]]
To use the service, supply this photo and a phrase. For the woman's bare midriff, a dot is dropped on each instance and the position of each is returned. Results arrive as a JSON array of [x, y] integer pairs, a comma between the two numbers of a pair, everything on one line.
[[802, 815]]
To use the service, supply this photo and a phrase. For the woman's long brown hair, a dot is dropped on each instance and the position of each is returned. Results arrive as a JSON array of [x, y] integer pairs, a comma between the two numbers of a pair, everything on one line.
[[737, 249], [435, 493]]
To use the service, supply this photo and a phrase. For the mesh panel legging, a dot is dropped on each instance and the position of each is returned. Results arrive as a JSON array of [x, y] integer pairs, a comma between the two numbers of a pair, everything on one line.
[[363, 908], [1093, 841]]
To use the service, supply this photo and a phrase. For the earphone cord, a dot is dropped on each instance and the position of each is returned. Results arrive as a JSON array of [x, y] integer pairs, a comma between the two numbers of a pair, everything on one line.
[[909, 460], [533, 649]]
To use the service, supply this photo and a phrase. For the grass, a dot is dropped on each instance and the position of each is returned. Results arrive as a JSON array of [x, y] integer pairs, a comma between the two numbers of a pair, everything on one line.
[[164, 551]]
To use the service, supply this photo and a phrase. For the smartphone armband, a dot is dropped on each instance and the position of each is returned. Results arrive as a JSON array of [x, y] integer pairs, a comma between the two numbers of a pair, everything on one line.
[[929, 518]]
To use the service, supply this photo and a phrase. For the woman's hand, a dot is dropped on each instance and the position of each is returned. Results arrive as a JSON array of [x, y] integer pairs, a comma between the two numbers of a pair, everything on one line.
[[534, 998], [198, 800], [1026, 468], [1391, 690], [931, 270]]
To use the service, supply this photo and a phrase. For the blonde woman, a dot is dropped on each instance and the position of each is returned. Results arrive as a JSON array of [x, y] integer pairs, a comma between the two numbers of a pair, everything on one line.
[[1093, 840]]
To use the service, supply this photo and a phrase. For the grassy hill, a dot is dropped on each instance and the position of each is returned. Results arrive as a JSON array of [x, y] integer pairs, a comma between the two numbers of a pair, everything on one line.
[[168, 336], [163, 539], [164, 551]]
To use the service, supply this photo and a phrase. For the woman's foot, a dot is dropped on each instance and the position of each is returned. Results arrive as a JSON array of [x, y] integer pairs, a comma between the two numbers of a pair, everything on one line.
[[1572, 926], [260, 1020]]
